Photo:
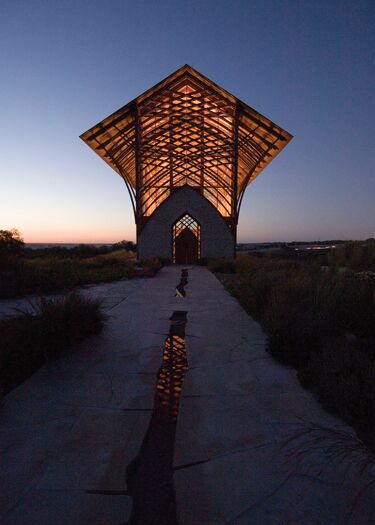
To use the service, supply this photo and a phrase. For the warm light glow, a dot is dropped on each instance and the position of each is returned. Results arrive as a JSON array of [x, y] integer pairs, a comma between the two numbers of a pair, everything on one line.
[[171, 375], [185, 138], [76, 234], [186, 223], [187, 131]]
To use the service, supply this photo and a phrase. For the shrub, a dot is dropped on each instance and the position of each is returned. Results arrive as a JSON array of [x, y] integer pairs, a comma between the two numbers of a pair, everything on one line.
[[222, 265], [45, 330], [127, 245], [342, 375], [81, 251], [148, 268], [49, 274], [358, 256], [322, 323]]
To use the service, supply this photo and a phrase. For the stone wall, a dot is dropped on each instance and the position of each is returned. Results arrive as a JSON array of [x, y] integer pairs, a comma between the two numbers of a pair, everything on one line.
[[155, 240]]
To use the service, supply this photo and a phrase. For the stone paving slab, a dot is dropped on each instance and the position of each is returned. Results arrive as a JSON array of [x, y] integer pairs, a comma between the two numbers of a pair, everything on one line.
[[71, 506], [219, 425], [99, 447], [77, 423], [24, 456], [237, 457]]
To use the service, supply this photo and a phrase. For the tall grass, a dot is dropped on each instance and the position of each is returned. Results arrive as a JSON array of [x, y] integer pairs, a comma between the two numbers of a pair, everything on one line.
[[43, 331], [321, 321], [358, 256], [44, 274]]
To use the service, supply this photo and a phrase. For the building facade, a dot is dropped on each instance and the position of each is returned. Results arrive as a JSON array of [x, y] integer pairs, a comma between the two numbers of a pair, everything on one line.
[[187, 150]]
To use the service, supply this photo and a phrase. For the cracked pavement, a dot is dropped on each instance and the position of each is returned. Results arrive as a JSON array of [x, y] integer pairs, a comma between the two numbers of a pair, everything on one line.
[[69, 432]]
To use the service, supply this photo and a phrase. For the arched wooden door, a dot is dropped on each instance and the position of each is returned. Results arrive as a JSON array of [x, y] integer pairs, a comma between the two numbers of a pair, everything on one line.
[[186, 241]]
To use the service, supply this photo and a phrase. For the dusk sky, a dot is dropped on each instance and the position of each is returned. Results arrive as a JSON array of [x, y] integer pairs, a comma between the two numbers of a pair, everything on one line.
[[307, 65]]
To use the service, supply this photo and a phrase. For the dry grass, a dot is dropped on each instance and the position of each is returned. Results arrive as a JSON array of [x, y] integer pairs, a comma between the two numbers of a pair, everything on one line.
[[43, 331], [334, 448], [46, 273], [320, 322]]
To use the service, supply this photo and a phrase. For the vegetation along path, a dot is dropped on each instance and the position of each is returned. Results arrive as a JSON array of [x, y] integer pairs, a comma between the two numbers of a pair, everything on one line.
[[250, 445]]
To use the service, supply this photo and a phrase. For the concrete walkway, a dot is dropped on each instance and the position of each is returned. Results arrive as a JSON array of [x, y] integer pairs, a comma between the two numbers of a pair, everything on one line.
[[69, 432]]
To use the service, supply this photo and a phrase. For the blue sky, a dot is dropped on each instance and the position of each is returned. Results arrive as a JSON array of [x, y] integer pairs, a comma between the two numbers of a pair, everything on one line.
[[307, 65]]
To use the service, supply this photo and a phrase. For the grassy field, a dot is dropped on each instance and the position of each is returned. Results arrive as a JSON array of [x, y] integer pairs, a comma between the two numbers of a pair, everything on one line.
[[49, 270], [30, 338], [319, 312]]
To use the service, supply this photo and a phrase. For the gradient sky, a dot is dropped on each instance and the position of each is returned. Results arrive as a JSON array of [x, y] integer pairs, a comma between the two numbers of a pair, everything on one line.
[[307, 65]]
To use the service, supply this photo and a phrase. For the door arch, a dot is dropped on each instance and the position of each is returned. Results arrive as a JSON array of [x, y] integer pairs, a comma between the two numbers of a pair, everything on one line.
[[186, 240]]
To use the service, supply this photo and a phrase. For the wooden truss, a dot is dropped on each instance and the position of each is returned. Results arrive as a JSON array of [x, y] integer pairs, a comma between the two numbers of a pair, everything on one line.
[[187, 130]]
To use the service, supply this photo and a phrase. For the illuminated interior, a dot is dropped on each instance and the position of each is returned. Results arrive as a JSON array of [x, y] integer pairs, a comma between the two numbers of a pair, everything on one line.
[[187, 130], [185, 222]]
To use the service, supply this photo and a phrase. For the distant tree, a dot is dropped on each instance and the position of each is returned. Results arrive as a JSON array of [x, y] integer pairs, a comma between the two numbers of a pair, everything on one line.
[[11, 242], [11, 245], [125, 245]]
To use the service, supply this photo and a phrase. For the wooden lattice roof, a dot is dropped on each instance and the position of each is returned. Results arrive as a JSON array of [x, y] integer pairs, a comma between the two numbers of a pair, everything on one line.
[[187, 130]]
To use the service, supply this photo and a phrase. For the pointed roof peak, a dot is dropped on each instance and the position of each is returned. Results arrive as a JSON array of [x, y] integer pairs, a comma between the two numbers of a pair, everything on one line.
[[186, 70], [171, 107]]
